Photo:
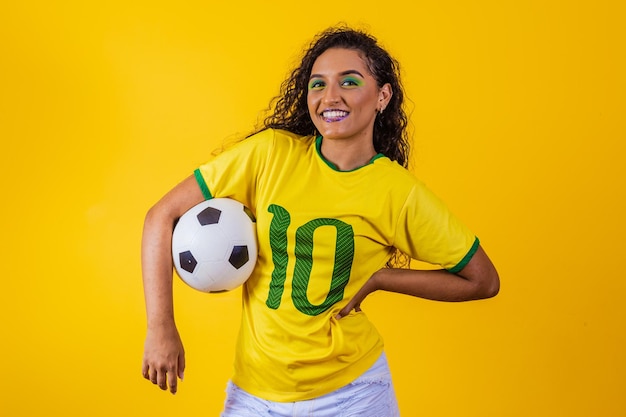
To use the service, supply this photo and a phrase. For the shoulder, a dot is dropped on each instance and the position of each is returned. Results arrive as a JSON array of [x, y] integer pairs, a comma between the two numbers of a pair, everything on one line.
[[391, 170], [401, 182], [281, 144], [278, 137]]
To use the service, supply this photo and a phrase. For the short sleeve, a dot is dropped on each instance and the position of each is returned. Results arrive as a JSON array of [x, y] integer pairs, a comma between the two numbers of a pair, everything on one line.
[[427, 231], [236, 172]]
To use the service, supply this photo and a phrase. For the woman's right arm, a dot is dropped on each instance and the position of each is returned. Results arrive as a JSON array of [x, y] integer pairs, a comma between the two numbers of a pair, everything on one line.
[[164, 356]]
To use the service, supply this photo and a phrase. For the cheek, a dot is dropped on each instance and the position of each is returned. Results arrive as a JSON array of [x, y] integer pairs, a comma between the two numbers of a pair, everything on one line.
[[310, 101], [312, 105]]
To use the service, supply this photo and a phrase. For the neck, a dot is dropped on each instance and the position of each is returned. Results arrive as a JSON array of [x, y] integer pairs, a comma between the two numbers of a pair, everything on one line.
[[347, 155]]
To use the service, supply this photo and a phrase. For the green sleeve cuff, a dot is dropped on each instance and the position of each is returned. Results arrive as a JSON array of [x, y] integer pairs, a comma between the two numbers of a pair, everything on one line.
[[203, 187], [466, 258]]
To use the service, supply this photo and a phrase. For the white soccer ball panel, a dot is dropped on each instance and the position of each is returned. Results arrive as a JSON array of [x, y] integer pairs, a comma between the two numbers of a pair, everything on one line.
[[210, 244], [219, 255], [236, 222], [218, 276]]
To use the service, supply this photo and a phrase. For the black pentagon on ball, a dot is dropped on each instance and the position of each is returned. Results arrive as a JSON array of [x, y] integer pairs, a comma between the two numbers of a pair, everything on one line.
[[249, 213], [239, 256], [187, 261], [209, 215]]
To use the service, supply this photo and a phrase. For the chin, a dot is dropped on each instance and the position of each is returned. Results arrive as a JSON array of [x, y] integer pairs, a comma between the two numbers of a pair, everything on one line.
[[332, 134]]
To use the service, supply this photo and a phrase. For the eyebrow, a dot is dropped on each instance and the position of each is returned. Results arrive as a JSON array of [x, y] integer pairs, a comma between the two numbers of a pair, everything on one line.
[[348, 72]]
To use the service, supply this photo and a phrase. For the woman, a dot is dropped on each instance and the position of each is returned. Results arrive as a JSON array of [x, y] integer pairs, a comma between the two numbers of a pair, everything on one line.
[[334, 203]]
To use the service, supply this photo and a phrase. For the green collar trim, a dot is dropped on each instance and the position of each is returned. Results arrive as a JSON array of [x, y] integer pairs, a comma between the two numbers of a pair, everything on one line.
[[318, 148]]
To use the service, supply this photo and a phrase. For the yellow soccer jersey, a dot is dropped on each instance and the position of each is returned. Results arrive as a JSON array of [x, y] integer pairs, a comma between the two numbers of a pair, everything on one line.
[[322, 233]]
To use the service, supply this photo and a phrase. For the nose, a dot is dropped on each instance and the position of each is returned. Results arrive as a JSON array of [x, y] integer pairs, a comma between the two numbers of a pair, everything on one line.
[[331, 94]]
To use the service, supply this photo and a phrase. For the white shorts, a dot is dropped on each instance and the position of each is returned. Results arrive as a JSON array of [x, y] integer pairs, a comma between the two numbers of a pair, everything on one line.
[[370, 395]]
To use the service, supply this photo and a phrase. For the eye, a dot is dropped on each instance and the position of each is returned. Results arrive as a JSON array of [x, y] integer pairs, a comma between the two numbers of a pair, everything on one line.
[[316, 84], [351, 82]]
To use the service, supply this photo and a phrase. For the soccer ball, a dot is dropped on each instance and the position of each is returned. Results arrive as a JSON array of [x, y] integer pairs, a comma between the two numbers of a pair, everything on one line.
[[214, 245]]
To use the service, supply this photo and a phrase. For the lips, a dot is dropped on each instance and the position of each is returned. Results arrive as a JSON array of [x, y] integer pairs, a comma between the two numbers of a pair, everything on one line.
[[333, 115]]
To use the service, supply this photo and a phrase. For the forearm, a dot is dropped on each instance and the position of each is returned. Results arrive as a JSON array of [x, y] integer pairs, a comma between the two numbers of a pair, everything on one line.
[[157, 269], [156, 250], [439, 285], [478, 279]]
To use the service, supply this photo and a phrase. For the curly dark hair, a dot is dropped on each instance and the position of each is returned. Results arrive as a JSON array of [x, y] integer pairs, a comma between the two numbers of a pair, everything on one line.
[[289, 110]]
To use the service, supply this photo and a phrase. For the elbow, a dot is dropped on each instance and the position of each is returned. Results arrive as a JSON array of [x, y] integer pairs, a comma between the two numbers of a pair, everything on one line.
[[160, 213], [493, 290], [483, 275], [153, 217], [490, 287], [158, 220]]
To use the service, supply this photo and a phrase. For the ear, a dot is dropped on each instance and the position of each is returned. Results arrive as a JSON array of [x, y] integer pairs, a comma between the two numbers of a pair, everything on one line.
[[384, 95]]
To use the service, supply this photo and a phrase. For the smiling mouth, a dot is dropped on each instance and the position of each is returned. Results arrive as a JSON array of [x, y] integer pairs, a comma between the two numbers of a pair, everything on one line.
[[334, 115]]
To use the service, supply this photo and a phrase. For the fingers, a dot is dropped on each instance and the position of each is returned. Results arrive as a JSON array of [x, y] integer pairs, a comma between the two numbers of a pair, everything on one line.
[[162, 377], [172, 378], [164, 358], [145, 370], [355, 303], [347, 309], [181, 367], [343, 312]]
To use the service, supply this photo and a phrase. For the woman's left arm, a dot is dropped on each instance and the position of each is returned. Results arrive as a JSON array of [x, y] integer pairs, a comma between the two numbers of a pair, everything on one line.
[[477, 280]]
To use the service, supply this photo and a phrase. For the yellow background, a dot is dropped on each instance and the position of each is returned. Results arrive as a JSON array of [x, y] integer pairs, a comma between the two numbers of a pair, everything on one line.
[[518, 115]]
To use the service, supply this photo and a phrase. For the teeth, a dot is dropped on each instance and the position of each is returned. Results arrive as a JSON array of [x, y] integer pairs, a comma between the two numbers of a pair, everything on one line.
[[331, 114]]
